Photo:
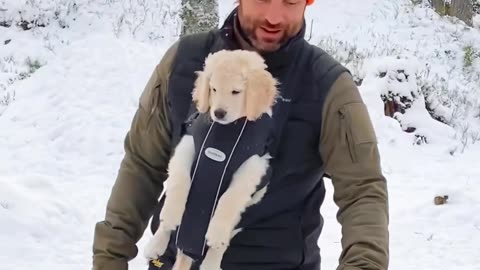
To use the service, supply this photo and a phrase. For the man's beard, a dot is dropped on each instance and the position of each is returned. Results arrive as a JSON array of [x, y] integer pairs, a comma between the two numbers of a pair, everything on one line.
[[250, 26]]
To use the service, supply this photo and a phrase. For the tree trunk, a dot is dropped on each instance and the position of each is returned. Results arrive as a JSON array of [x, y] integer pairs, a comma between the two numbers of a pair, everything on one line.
[[199, 16], [461, 9]]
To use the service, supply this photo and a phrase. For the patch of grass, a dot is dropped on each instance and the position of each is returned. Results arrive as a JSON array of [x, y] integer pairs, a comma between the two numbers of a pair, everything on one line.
[[4, 205], [33, 65], [417, 2], [23, 71], [7, 99], [470, 54]]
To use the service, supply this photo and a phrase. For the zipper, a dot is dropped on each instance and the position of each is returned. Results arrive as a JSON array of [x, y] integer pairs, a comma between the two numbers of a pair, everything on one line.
[[345, 130]]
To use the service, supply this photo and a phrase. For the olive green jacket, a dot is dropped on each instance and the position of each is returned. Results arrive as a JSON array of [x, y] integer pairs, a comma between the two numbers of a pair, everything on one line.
[[347, 145]]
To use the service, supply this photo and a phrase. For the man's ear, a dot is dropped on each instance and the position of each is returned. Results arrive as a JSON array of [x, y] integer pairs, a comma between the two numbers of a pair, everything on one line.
[[201, 92], [261, 92]]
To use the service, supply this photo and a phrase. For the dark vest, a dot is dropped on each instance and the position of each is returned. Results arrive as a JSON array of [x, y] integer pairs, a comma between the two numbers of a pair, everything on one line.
[[281, 232]]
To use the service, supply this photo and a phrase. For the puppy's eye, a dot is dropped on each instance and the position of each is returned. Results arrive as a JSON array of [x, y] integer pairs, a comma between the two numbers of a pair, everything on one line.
[[214, 90], [235, 92]]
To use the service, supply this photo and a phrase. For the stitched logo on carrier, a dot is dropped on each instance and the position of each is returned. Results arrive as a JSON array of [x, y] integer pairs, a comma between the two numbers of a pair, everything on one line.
[[215, 154]]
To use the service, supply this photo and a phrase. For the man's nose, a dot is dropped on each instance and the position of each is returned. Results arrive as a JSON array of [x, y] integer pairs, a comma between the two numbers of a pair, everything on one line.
[[220, 113], [273, 15]]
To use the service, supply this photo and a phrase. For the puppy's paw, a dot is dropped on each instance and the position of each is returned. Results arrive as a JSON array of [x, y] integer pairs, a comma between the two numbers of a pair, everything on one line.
[[202, 267], [218, 235], [212, 260], [157, 245]]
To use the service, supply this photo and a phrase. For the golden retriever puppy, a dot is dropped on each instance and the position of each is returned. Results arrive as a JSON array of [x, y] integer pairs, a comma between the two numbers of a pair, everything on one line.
[[233, 85]]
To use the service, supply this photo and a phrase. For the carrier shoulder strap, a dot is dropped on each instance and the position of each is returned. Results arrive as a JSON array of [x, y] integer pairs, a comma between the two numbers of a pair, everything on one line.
[[190, 57]]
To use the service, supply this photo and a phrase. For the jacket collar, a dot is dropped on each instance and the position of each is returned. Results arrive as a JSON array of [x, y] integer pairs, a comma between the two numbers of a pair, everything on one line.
[[234, 38]]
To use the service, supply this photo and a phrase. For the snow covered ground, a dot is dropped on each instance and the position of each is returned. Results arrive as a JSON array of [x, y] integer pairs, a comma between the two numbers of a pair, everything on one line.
[[61, 137]]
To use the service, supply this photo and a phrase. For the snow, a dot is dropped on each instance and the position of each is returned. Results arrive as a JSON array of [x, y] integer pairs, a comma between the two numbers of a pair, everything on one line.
[[61, 137], [399, 77], [61, 143]]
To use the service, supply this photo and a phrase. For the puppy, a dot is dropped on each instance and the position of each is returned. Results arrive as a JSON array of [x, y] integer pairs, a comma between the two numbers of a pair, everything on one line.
[[233, 85]]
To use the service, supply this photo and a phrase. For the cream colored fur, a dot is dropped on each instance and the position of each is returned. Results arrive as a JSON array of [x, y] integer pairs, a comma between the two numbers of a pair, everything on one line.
[[237, 83], [177, 188]]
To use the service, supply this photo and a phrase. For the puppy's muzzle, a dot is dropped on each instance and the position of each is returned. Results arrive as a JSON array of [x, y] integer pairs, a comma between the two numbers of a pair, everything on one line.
[[220, 114]]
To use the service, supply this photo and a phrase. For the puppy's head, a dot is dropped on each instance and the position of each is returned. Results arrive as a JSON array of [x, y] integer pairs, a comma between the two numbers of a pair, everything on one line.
[[234, 84]]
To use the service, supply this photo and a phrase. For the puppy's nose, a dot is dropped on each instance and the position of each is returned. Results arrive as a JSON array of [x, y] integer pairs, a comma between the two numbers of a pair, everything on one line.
[[220, 113]]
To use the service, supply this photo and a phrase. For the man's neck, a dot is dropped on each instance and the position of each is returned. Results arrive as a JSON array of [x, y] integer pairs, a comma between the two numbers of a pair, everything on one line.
[[240, 36]]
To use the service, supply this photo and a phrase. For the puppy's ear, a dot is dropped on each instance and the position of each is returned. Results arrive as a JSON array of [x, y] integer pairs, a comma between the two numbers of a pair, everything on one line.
[[261, 92], [201, 92]]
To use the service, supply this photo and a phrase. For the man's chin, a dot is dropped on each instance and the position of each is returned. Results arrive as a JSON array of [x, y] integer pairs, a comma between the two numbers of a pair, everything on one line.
[[266, 46]]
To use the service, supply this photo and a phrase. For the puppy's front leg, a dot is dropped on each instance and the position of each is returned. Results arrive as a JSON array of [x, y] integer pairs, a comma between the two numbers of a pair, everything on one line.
[[178, 183], [182, 262], [235, 200], [213, 258], [176, 195]]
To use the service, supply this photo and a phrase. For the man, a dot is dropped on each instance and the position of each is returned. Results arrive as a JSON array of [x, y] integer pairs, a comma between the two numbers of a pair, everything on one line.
[[327, 132]]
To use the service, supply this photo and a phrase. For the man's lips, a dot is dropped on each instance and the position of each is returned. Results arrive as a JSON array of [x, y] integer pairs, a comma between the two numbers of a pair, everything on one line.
[[270, 33]]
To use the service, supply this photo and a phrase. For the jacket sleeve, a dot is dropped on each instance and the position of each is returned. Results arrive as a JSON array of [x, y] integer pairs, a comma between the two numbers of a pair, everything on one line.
[[348, 147], [140, 177]]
